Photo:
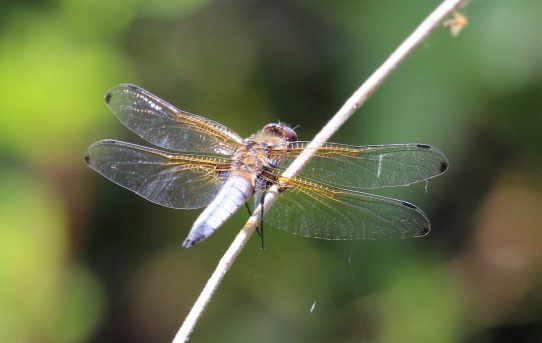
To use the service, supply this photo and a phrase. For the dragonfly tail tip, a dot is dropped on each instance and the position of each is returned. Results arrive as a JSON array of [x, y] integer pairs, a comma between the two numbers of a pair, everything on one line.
[[188, 243]]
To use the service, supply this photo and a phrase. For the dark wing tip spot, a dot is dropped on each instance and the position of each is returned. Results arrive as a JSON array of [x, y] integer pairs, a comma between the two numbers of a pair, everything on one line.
[[423, 146], [425, 230], [109, 141], [409, 205], [443, 166], [87, 159], [108, 98], [131, 86]]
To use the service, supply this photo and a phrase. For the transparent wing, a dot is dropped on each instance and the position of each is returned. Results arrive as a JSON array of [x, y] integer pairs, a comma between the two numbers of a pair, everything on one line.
[[316, 210], [171, 180], [366, 167], [166, 126]]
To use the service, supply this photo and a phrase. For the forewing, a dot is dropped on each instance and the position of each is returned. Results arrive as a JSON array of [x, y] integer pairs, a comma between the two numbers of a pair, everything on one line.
[[166, 126], [171, 180], [315, 210], [366, 167]]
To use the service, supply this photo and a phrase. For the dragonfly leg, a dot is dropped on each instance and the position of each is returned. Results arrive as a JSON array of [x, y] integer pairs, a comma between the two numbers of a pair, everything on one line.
[[248, 209], [260, 231], [259, 228]]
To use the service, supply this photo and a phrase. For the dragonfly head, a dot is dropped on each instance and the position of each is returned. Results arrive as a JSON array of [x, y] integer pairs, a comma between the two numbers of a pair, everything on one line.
[[281, 130]]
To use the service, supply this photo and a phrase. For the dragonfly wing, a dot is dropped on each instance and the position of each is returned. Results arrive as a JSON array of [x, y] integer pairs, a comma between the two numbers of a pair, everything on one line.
[[165, 126], [366, 167], [316, 210], [171, 180]]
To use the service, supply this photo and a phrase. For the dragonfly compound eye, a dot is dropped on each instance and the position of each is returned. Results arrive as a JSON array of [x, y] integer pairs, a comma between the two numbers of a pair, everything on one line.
[[280, 130]]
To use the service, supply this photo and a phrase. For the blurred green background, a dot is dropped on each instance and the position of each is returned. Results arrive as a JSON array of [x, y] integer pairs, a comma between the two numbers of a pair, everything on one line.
[[82, 260]]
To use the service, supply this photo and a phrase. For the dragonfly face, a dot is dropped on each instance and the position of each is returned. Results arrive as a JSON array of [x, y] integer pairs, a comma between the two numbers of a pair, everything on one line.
[[207, 164]]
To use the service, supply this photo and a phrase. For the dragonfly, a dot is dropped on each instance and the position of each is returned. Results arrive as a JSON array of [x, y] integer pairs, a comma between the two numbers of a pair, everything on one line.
[[203, 163]]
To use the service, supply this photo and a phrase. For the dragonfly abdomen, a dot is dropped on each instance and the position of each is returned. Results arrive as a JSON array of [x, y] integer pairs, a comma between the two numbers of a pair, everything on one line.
[[235, 192]]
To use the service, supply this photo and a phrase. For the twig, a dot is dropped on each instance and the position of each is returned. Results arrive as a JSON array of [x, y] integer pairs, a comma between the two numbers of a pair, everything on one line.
[[357, 99]]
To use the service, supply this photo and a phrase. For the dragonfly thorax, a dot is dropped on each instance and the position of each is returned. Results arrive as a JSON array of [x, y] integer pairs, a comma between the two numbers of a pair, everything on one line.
[[252, 157]]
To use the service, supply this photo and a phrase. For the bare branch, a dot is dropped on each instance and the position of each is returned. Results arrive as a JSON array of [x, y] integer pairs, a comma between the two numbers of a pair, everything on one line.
[[357, 99]]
